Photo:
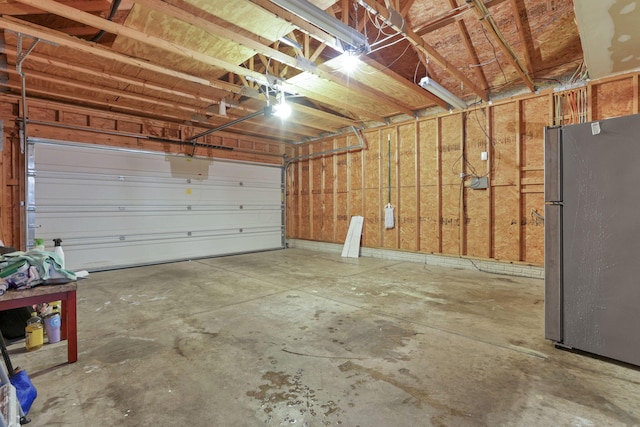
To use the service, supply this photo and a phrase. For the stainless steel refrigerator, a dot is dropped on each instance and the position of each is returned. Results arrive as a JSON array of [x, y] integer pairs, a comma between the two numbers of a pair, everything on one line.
[[592, 237]]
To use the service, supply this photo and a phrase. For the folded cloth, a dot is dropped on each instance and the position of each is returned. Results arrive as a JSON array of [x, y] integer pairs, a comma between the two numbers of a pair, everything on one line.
[[43, 265]]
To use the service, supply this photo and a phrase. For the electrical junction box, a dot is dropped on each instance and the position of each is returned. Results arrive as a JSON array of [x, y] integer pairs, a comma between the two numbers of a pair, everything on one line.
[[479, 183]]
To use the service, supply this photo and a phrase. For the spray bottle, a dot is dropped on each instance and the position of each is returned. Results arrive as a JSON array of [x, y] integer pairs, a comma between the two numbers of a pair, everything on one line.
[[57, 249]]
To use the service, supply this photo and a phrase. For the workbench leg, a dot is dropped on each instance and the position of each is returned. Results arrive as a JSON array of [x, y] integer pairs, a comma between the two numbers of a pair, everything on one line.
[[72, 328]]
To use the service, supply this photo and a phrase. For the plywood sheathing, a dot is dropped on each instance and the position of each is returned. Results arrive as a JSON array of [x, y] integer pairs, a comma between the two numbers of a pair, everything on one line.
[[505, 221], [305, 202], [43, 65], [317, 207], [451, 184], [535, 116], [429, 186], [613, 98], [476, 213], [354, 102], [372, 228], [181, 33], [504, 177], [409, 197], [389, 184], [341, 182], [541, 36]]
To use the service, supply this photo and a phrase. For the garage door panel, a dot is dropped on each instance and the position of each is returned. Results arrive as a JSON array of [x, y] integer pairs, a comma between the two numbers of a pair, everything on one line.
[[127, 223], [101, 256], [80, 190], [115, 208]]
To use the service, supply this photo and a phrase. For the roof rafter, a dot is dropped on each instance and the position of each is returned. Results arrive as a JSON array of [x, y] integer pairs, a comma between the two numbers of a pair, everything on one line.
[[36, 31], [103, 24], [449, 18], [464, 34], [523, 39], [20, 26], [84, 5], [488, 22], [267, 51], [424, 47]]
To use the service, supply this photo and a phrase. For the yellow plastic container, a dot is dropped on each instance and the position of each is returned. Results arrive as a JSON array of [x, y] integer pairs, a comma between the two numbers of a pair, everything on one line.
[[34, 333]]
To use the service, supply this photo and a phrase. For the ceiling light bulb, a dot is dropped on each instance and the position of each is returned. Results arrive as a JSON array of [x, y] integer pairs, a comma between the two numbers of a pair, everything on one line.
[[282, 109], [349, 62]]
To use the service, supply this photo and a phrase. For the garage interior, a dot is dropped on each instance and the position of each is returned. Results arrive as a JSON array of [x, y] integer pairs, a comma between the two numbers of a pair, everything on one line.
[[204, 161]]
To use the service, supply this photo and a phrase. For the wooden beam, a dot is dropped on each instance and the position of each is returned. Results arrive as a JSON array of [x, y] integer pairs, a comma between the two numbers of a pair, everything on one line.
[[448, 18], [316, 94], [523, 39], [261, 49], [488, 117], [406, 7], [140, 83], [420, 44], [487, 21], [134, 110], [79, 31], [85, 47], [324, 115], [344, 5], [76, 44], [110, 92], [519, 214], [298, 22], [84, 5], [473, 55], [406, 83], [439, 181], [61, 9], [163, 112]]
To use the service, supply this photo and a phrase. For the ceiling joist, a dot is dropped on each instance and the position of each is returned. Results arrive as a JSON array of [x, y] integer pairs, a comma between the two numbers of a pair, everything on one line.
[[180, 59], [489, 23], [424, 47]]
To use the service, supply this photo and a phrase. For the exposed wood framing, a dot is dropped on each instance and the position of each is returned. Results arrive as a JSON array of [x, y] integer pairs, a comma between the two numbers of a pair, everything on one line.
[[518, 173], [406, 7], [462, 214], [420, 44], [84, 5], [473, 55], [490, 164], [449, 18], [235, 34], [487, 21], [513, 129], [523, 38], [406, 83], [17, 26], [301, 24], [439, 143], [103, 24]]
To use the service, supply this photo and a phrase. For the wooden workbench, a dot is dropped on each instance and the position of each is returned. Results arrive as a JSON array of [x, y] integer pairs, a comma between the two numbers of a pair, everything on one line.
[[49, 293]]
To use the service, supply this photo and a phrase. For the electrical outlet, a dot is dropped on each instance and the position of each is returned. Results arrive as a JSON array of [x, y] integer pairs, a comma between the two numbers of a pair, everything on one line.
[[484, 155]]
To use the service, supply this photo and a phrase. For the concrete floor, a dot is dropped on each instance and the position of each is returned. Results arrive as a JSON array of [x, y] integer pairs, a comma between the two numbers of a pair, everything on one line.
[[301, 338]]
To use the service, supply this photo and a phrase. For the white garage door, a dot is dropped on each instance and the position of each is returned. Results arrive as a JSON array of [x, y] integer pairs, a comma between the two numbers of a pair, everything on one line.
[[116, 207]]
